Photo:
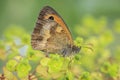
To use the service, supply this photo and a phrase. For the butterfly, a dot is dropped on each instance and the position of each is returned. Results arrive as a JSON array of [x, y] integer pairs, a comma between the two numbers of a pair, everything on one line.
[[51, 34]]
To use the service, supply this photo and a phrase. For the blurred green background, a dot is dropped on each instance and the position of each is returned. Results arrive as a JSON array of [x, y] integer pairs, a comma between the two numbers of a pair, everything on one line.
[[25, 13], [95, 21]]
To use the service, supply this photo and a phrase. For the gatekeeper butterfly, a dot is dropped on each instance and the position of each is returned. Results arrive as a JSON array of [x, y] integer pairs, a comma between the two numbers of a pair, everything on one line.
[[51, 34]]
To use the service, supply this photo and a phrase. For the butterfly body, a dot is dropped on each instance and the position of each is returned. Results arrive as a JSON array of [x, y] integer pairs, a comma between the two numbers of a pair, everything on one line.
[[51, 34]]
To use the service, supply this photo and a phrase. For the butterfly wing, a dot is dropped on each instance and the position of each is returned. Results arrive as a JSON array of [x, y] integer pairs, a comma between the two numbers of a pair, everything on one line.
[[50, 33]]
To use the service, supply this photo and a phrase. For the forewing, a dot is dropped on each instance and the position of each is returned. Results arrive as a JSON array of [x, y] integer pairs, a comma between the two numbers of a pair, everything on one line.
[[50, 35]]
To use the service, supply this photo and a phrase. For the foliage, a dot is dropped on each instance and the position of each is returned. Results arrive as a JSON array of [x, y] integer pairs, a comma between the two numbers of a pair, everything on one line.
[[95, 61]]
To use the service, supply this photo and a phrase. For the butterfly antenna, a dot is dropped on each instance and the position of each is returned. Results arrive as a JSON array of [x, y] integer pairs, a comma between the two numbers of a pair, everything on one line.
[[88, 46]]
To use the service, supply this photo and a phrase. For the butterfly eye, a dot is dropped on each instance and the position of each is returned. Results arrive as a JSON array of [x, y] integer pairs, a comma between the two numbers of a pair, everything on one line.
[[51, 18]]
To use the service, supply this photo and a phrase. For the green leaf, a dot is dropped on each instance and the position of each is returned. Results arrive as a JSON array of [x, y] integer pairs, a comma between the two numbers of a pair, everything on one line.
[[23, 68], [55, 64], [44, 61], [85, 76], [11, 65]]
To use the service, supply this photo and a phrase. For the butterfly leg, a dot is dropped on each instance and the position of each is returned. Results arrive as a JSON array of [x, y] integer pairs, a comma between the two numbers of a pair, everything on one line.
[[47, 54]]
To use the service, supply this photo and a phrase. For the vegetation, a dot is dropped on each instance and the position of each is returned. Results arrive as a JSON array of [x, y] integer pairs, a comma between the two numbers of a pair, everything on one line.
[[97, 59]]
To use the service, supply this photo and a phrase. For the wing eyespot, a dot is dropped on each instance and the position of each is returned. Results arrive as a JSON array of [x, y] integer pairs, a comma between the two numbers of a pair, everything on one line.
[[51, 18]]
